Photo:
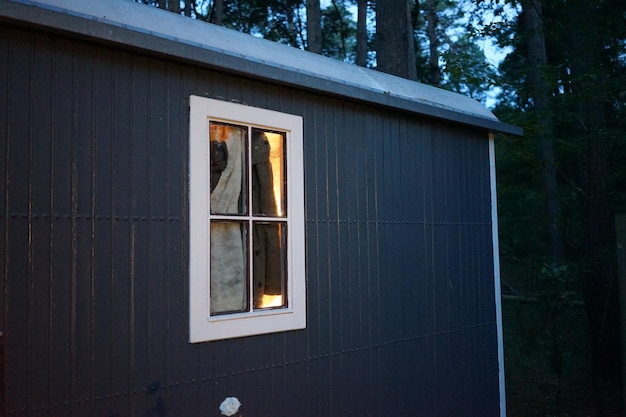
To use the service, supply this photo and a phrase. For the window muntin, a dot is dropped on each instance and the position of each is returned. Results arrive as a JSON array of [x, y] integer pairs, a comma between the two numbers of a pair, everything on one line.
[[248, 252], [246, 221]]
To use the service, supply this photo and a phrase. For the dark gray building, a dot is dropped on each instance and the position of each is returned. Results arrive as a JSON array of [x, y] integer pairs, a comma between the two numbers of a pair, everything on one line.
[[131, 289]]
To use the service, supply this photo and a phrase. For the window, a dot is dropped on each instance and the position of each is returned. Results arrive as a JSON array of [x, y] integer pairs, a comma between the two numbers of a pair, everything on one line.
[[246, 205]]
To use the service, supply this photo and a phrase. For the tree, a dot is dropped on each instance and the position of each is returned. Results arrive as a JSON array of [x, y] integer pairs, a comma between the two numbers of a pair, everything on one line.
[[465, 69], [277, 20], [338, 37], [171, 5], [395, 45], [174, 6], [567, 78], [588, 65], [188, 7], [432, 20], [361, 33], [454, 58], [539, 92], [313, 26], [284, 23], [218, 12]]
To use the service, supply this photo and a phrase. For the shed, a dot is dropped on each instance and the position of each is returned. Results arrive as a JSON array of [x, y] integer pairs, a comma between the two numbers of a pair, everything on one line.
[[386, 226]]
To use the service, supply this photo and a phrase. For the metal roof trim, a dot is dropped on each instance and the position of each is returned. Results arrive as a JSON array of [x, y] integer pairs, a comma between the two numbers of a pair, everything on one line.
[[164, 32]]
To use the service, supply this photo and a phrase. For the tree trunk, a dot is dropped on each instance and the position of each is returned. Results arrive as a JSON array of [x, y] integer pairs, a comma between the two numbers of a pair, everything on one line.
[[291, 26], [395, 48], [361, 33], [600, 281], [188, 8], [599, 250], [174, 6], [313, 26], [433, 41], [540, 93], [218, 12], [342, 31]]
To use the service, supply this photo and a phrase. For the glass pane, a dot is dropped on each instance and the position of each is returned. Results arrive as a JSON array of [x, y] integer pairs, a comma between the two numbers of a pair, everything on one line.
[[228, 168], [270, 264], [229, 283], [268, 174]]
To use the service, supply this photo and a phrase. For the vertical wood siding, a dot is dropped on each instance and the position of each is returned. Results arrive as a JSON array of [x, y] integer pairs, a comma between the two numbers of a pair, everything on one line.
[[401, 316]]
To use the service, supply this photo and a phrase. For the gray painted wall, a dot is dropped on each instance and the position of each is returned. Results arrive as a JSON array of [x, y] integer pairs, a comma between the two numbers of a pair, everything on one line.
[[400, 293]]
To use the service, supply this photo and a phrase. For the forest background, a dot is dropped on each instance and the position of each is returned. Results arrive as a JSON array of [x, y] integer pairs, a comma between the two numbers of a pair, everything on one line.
[[561, 187]]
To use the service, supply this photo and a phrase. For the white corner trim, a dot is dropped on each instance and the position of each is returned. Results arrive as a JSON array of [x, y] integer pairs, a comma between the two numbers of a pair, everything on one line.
[[496, 273]]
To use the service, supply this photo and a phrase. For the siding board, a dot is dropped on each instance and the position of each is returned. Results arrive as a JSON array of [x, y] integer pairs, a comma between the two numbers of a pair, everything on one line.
[[18, 164], [83, 248], [17, 366], [102, 139], [39, 233], [4, 218], [141, 385], [174, 296], [120, 240], [156, 323], [61, 229]]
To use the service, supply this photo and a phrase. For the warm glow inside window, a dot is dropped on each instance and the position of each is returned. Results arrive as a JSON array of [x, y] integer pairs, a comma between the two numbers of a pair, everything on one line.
[[246, 221]]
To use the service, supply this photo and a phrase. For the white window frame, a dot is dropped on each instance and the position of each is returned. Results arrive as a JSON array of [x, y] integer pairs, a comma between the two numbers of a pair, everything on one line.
[[202, 326]]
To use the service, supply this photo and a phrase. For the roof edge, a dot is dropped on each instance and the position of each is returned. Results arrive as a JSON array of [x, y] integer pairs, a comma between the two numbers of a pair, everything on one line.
[[107, 24]]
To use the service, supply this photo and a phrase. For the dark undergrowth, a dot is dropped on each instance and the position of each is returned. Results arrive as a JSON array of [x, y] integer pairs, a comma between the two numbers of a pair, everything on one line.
[[547, 363]]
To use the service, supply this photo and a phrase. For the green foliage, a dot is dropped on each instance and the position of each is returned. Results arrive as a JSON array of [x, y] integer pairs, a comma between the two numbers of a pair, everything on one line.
[[277, 20], [338, 32], [516, 105], [467, 71], [519, 201], [574, 81], [556, 289]]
